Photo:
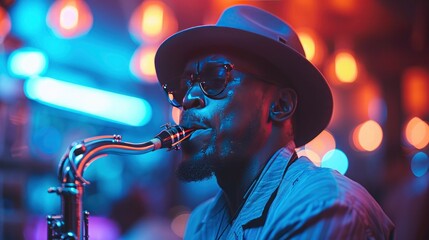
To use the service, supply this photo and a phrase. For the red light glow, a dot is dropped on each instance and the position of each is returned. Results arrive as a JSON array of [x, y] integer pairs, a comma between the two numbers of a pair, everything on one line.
[[5, 24], [415, 91]]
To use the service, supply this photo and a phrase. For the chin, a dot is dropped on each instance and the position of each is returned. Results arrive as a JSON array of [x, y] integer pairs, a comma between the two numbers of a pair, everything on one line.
[[193, 169]]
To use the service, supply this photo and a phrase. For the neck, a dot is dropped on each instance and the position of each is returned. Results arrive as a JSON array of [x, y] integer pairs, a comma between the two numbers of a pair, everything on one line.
[[235, 182], [236, 176]]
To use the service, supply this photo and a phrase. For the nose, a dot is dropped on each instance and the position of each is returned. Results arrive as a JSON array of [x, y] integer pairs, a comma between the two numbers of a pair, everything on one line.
[[194, 98]]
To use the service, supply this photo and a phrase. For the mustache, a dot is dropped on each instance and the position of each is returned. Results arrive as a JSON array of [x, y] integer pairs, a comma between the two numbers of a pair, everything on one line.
[[192, 120]]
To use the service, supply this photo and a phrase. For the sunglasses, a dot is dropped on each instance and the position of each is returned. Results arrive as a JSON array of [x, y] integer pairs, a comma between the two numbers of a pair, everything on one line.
[[212, 79]]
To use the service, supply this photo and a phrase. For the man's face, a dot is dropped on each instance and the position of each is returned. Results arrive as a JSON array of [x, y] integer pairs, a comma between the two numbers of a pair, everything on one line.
[[231, 127]]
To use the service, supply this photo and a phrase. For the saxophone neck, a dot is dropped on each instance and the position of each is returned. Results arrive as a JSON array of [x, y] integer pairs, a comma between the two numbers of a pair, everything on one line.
[[81, 154]]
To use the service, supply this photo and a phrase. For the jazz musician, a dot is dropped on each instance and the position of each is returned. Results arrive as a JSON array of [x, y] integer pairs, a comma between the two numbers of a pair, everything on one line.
[[245, 86]]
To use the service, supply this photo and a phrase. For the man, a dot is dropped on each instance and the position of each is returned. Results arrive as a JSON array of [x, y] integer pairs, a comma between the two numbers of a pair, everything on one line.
[[245, 86]]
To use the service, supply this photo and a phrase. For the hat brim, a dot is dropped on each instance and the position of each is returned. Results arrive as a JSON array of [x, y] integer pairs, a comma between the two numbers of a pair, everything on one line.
[[315, 103]]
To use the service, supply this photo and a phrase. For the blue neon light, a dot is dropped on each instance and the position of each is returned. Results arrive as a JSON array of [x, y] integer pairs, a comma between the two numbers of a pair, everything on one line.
[[337, 160], [97, 103], [27, 62]]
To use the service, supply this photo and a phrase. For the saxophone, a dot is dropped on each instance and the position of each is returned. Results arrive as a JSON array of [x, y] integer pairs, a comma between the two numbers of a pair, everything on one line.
[[72, 224]]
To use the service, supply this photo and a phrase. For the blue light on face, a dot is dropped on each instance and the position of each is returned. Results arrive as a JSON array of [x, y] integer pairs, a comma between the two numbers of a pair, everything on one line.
[[420, 164], [97, 103], [336, 159], [27, 62]]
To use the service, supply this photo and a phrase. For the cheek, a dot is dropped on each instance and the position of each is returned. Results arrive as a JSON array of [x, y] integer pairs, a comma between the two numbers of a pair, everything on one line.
[[241, 117]]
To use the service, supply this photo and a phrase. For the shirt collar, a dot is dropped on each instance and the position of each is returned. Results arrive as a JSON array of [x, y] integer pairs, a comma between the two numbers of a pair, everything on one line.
[[269, 180]]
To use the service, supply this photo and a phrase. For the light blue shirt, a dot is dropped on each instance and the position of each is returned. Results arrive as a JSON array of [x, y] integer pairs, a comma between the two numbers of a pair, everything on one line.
[[308, 202]]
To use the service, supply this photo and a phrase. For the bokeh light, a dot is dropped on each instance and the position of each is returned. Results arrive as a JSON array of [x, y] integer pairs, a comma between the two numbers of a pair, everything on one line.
[[345, 67], [367, 136], [175, 114], [320, 145], [343, 6], [336, 159], [94, 102], [417, 133], [152, 21], [314, 157], [142, 64], [314, 47], [178, 224], [415, 88], [308, 44], [26, 62], [420, 164], [69, 18], [5, 24]]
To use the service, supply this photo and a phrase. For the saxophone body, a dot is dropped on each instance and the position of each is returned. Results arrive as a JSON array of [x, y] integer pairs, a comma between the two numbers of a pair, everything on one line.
[[72, 224]]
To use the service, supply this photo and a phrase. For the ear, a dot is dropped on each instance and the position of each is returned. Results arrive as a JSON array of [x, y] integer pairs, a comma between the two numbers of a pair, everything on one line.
[[283, 107]]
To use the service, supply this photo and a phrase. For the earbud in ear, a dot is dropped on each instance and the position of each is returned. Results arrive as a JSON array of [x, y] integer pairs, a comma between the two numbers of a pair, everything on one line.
[[284, 107], [279, 113]]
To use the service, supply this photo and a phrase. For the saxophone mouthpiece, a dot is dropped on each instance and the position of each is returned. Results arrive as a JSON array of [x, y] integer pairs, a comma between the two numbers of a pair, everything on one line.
[[171, 136]]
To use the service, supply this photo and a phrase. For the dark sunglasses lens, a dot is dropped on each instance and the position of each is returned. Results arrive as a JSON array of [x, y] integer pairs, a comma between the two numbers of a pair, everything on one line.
[[213, 87], [214, 80]]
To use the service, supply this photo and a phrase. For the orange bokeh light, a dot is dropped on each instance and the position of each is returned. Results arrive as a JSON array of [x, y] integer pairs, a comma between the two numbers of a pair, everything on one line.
[[320, 145], [308, 44], [313, 47], [142, 64], [69, 18], [415, 91], [367, 136], [152, 21], [417, 133], [175, 114], [314, 157], [345, 67], [343, 6]]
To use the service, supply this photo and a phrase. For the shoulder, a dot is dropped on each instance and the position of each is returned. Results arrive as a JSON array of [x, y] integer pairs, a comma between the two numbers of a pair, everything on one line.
[[311, 196], [305, 180]]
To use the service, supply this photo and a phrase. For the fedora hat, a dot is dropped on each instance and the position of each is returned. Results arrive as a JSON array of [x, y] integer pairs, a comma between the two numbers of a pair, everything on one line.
[[254, 31]]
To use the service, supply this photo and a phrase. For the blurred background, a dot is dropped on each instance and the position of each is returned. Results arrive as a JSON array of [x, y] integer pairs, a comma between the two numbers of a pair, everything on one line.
[[73, 69]]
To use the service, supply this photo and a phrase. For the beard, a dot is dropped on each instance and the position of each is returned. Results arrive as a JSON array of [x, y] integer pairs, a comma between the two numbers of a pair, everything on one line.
[[201, 161], [197, 162], [206, 163], [192, 171]]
